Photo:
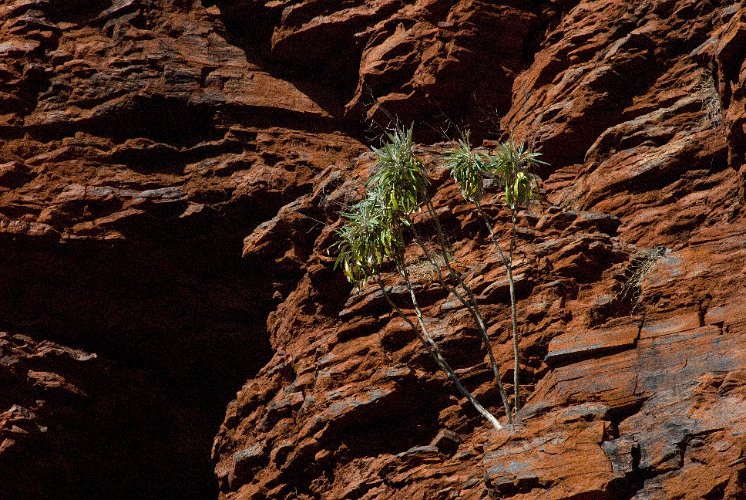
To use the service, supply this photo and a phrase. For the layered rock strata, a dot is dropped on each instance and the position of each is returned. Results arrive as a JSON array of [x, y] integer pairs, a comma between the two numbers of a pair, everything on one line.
[[170, 179]]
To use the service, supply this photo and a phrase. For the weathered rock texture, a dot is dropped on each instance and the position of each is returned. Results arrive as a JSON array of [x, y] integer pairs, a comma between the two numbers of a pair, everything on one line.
[[170, 177]]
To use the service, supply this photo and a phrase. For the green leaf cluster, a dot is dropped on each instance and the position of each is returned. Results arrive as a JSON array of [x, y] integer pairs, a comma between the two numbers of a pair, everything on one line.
[[373, 227], [400, 178], [468, 168], [366, 239], [399, 185], [511, 165]]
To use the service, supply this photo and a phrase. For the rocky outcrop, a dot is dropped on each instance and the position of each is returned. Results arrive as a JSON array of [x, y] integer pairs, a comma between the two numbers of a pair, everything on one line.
[[623, 371], [634, 381], [440, 63], [138, 148], [630, 114], [170, 178]]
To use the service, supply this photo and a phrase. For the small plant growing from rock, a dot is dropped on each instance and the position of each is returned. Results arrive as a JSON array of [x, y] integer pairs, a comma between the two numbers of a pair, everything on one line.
[[712, 106], [511, 166], [642, 264], [373, 234]]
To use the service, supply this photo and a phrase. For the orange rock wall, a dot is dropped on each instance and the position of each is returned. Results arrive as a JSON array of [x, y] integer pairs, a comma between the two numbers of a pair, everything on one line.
[[170, 177]]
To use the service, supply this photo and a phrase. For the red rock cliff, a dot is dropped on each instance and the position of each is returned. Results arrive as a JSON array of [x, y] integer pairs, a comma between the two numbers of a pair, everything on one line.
[[170, 177]]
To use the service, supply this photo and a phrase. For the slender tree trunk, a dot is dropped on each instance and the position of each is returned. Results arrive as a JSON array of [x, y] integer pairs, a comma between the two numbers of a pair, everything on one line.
[[471, 306], [508, 264], [433, 348], [514, 316]]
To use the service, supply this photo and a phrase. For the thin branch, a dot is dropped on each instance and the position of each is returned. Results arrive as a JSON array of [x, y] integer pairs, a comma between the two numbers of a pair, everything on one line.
[[508, 264], [471, 305], [433, 348], [514, 317]]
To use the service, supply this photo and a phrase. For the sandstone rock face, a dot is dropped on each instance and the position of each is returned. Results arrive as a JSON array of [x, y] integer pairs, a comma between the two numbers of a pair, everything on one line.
[[170, 179]]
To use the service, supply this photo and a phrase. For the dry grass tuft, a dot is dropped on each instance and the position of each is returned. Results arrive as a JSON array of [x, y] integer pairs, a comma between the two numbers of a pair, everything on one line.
[[642, 264]]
